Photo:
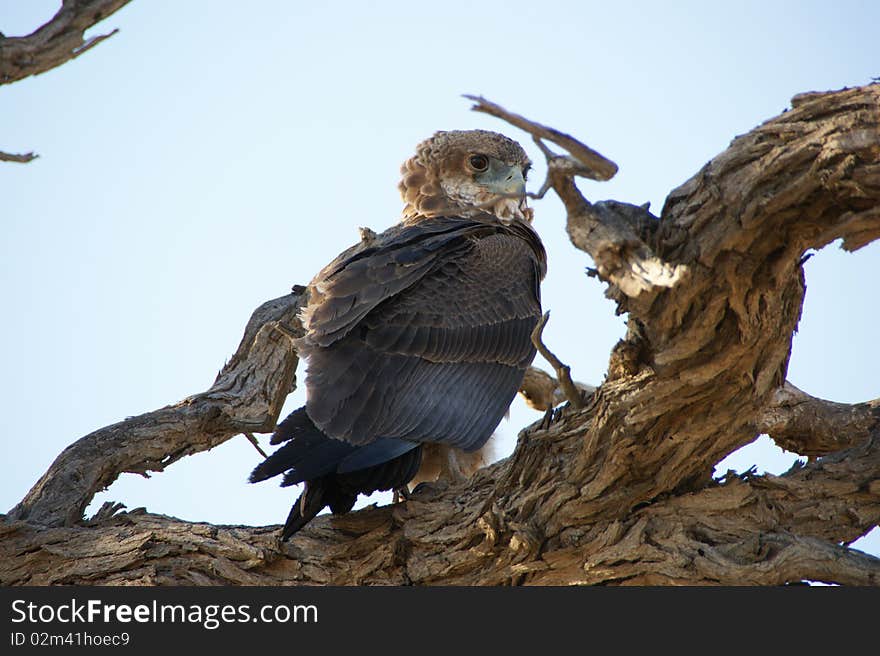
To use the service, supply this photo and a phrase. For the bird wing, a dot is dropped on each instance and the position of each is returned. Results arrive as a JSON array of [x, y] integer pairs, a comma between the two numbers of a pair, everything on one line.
[[373, 271], [424, 336]]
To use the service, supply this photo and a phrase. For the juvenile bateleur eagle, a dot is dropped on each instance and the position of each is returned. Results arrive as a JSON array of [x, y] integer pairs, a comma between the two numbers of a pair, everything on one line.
[[419, 335]]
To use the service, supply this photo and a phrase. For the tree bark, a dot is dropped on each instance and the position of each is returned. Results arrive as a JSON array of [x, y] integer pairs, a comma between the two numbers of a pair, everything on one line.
[[53, 44], [619, 491], [246, 397]]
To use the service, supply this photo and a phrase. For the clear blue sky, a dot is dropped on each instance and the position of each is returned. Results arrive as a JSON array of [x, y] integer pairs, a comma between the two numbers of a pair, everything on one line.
[[212, 154]]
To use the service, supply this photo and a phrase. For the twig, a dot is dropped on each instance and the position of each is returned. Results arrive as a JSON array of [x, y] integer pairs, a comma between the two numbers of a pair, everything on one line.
[[253, 440], [563, 371], [610, 232], [58, 41], [21, 159], [92, 42], [592, 164]]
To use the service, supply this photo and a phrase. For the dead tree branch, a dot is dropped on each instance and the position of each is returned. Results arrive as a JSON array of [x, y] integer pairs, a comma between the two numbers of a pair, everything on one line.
[[53, 44], [835, 498], [809, 426], [56, 42], [246, 397], [750, 530], [612, 233], [23, 158], [587, 162], [563, 371]]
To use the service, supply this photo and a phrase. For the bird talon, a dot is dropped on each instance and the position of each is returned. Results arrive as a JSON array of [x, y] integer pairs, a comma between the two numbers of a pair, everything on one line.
[[400, 494], [548, 418], [429, 488]]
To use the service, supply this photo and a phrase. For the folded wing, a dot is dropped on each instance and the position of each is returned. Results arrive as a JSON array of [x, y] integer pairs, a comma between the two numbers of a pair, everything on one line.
[[423, 336]]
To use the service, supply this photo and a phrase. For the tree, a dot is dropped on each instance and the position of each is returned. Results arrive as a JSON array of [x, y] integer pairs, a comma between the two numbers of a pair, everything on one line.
[[612, 488]]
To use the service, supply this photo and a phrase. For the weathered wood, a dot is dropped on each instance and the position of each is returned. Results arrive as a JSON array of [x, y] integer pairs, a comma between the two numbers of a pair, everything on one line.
[[246, 397], [804, 424], [56, 42], [586, 162], [619, 491], [703, 356], [21, 158], [746, 530], [611, 232], [541, 391]]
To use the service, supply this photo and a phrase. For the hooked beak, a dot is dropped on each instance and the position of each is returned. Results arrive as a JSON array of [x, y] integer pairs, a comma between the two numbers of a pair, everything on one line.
[[509, 184]]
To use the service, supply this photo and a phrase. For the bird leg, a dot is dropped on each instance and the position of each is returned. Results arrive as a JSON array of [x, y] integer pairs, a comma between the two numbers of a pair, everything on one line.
[[450, 468]]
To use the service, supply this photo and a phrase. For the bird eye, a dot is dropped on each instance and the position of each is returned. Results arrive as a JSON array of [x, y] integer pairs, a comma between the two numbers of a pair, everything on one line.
[[479, 163]]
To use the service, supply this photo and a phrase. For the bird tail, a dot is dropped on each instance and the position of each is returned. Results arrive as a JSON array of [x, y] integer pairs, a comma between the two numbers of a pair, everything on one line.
[[306, 508], [306, 455], [334, 472]]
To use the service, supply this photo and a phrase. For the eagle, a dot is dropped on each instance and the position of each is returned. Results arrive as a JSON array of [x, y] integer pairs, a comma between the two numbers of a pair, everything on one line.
[[417, 337]]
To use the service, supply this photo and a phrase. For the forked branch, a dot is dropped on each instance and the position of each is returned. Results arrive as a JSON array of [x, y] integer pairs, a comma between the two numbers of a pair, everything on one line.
[[616, 235]]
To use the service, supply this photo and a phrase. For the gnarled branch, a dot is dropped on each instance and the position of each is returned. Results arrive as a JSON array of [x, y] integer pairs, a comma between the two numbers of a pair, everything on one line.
[[809, 426], [246, 397], [56, 42], [613, 233], [750, 530]]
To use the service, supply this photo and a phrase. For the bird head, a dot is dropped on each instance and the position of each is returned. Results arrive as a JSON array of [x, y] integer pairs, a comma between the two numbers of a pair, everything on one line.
[[466, 173]]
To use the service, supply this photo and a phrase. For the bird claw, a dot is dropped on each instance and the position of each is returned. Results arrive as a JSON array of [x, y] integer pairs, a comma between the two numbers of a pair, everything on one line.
[[547, 419], [399, 494], [428, 488]]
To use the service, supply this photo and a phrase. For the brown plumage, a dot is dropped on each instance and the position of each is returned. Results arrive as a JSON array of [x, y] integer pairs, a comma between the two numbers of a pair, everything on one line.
[[438, 180], [419, 334]]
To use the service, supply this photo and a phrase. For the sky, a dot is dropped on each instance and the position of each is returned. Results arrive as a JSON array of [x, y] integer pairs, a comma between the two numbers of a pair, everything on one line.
[[211, 155]]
